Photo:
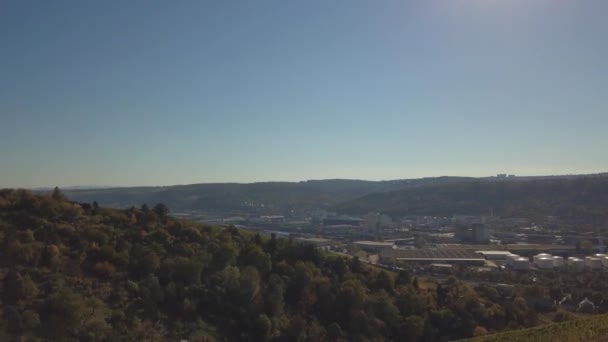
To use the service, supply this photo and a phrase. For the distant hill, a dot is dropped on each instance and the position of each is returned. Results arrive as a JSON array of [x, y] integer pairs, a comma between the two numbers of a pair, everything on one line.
[[577, 199], [236, 198]]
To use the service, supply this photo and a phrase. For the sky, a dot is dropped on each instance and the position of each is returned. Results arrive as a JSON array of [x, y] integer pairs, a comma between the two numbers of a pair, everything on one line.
[[146, 92]]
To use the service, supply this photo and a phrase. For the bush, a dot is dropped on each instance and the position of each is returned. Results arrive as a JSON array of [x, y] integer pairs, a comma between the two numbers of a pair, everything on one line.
[[104, 269]]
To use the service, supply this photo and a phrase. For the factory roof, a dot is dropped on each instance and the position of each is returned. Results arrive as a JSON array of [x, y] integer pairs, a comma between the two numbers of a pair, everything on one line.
[[315, 239], [494, 253], [373, 243], [431, 254]]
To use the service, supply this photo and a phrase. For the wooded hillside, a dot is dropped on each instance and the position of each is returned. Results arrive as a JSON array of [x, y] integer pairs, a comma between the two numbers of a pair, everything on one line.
[[79, 272]]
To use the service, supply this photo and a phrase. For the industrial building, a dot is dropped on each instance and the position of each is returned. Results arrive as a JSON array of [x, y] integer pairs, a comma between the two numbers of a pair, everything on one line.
[[477, 233], [494, 255], [317, 242], [434, 256], [374, 246], [348, 221]]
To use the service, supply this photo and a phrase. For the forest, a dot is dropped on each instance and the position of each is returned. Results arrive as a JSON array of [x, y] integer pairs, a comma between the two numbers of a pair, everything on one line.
[[79, 272], [578, 201], [250, 198]]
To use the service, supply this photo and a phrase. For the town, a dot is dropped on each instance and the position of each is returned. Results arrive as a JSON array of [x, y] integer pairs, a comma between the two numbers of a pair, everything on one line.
[[488, 250]]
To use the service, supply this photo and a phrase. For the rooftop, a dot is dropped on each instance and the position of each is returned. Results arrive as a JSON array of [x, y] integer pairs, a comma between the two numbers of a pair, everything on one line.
[[373, 243], [432, 254], [505, 253]]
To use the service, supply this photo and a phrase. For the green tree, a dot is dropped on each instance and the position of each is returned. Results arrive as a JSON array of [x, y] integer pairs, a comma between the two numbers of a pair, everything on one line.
[[262, 328], [412, 328], [161, 210], [385, 281], [255, 256], [17, 287], [57, 194], [355, 265], [275, 292], [334, 331]]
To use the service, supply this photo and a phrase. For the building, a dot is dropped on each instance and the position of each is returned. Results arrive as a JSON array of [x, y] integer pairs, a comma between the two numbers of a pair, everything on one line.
[[374, 246], [317, 242], [586, 306], [347, 221], [434, 256], [476, 233], [267, 220], [494, 255], [374, 223]]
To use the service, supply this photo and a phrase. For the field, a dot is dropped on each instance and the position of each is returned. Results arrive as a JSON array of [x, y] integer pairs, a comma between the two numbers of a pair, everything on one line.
[[586, 329]]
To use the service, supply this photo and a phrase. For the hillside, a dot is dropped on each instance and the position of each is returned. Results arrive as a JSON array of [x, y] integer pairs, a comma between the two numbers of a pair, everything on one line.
[[80, 272], [236, 198], [580, 200], [593, 329]]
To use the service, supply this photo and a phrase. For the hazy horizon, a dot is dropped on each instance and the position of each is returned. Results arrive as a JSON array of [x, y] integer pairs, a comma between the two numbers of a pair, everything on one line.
[[75, 187], [145, 93]]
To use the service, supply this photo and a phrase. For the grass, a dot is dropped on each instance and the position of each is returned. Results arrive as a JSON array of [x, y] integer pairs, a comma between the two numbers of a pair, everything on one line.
[[591, 329]]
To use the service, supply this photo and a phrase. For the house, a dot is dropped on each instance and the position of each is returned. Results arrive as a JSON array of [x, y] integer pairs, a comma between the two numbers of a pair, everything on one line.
[[567, 303], [586, 306], [603, 306]]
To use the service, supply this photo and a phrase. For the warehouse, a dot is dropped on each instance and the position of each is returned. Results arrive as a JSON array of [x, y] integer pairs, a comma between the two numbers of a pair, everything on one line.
[[494, 255], [374, 246], [317, 242], [434, 256]]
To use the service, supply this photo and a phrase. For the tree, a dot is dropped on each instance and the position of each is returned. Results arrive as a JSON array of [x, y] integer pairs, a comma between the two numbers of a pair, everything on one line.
[[408, 302], [254, 255], [17, 287], [355, 265], [104, 269], [480, 331], [334, 331], [412, 328], [249, 284], [271, 247], [67, 313], [403, 278], [149, 262], [262, 328], [380, 305], [275, 292], [57, 194], [385, 281], [257, 239], [161, 210]]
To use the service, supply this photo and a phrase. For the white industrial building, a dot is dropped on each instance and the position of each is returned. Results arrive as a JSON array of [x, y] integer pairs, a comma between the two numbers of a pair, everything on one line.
[[521, 263], [494, 255]]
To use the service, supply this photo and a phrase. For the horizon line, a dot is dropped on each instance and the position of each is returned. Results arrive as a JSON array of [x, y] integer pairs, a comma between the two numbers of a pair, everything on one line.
[[100, 187]]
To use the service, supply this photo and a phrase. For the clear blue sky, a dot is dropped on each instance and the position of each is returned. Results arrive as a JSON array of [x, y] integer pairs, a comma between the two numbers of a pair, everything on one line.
[[173, 92]]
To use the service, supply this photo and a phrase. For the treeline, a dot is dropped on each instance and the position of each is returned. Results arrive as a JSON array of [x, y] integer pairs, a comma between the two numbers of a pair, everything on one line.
[[579, 200], [76, 271], [225, 199]]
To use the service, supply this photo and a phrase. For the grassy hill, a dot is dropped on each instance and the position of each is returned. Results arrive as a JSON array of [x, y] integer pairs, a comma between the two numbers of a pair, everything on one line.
[[593, 329]]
